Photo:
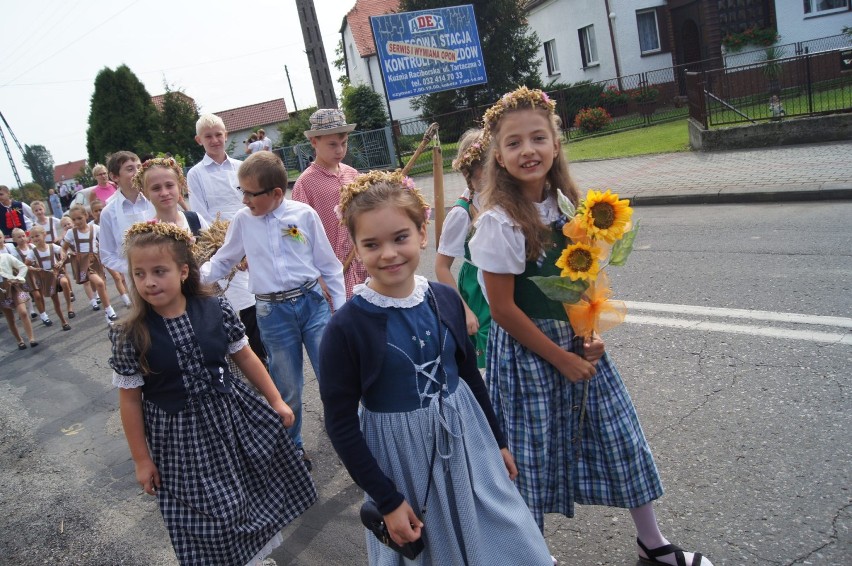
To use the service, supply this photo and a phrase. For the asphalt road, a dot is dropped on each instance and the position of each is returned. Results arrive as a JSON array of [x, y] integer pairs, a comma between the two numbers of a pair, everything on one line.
[[749, 418]]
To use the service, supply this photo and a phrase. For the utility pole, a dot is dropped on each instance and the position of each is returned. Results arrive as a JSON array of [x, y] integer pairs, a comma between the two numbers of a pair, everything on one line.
[[287, 72], [9, 153], [314, 49]]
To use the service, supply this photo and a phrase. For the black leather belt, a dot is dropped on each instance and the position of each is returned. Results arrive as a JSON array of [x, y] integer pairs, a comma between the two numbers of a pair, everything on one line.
[[286, 295]]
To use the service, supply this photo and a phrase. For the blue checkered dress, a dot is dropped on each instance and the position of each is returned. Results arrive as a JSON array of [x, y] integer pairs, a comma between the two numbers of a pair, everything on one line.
[[608, 462], [231, 477]]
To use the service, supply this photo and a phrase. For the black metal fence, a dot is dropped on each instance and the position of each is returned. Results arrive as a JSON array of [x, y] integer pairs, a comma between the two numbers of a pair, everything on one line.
[[774, 88], [371, 149]]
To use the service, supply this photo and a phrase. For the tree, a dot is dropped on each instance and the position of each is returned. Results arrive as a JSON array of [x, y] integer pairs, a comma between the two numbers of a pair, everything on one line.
[[33, 191], [177, 126], [40, 163], [363, 106], [292, 131], [122, 115], [510, 51], [339, 63]]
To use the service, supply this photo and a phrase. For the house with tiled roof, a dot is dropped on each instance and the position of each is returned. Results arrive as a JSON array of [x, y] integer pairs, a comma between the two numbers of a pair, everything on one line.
[[64, 174], [158, 100], [243, 121], [359, 51]]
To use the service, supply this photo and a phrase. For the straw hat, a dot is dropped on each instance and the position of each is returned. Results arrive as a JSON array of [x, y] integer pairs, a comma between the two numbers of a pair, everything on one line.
[[327, 121]]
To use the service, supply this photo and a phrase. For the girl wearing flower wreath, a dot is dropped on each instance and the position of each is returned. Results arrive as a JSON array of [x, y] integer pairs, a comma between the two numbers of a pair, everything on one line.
[[456, 234], [536, 371], [216, 455], [406, 408], [162, 182]]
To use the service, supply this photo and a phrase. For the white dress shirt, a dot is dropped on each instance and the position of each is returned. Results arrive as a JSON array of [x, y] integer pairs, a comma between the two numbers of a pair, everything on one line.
[[213, 190], [277, 261], [116, 217]]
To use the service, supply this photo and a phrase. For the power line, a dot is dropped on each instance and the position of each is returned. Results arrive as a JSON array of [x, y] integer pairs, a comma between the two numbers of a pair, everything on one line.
[[58, 51], [187, 66], [35, 38]]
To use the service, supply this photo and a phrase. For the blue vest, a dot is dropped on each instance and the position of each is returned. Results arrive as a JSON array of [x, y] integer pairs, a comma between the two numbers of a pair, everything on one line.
[[164, 385]]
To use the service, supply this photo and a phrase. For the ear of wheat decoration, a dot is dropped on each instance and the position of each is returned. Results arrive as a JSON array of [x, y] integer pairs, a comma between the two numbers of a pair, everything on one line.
[[209, 241]]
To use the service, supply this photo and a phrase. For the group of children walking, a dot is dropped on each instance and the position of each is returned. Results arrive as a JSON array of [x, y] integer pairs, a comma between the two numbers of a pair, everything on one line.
[[469, 465]]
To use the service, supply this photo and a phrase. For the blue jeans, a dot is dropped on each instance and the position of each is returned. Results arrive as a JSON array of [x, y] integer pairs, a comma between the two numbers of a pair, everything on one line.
[[284, 328]]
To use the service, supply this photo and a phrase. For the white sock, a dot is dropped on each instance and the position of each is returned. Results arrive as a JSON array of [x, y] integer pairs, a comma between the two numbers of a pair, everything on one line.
[[94, 302], [43, 316], [126, 299], [109, 310]]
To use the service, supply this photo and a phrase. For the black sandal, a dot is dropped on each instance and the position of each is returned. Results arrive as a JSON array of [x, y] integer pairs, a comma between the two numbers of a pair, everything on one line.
[[71, 314], [66, 326], [22, 346], [33, 343], [664, 550]]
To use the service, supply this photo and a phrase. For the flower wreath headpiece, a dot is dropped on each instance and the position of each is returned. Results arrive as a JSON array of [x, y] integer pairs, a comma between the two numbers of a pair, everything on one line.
[[522, 97], [165, 229], [473, 154], [168, 163], [364, 181]]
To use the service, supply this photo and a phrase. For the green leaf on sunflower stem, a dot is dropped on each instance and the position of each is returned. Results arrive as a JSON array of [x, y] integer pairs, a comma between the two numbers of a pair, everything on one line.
[[622, 248], [565, 205], [561, 289]]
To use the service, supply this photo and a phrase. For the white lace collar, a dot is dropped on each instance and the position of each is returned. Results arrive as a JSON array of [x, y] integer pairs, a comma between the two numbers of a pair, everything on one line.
[[421, 285]]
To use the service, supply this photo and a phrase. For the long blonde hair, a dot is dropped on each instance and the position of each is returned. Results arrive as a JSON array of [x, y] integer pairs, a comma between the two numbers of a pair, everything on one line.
[[501, 189]]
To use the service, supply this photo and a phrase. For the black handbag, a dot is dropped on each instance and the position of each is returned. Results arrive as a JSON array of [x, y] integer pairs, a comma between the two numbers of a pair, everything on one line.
[[370, 514], [375, 521]]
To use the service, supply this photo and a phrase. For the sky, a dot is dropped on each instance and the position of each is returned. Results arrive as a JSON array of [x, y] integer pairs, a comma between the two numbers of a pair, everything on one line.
[[222, 54]]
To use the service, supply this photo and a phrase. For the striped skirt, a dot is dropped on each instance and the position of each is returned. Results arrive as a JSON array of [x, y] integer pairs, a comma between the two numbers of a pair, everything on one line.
[[607, 462]]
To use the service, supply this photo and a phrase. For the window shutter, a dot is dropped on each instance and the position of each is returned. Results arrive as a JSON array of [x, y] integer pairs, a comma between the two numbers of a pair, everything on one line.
[[582, 48]]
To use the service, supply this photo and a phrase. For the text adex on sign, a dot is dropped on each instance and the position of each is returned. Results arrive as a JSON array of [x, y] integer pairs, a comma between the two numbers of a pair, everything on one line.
[[428, 51]]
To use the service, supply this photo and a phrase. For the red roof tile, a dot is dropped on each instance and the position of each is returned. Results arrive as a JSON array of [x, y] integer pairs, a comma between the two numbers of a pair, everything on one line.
[[68, 170], [254, 115], [358, 20], [158, 100]]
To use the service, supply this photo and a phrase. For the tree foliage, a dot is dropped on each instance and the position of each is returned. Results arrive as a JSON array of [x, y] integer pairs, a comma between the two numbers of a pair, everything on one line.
[[364, 107], [510, 51], [40, 163], [122, 115], [177, 126], [33, 191], [292, 131]]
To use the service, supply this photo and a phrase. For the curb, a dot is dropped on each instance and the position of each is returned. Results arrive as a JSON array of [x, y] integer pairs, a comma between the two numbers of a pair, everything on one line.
[[742, 198]]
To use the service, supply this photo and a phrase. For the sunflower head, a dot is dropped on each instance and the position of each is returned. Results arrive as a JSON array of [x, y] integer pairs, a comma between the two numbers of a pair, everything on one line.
[[605, 216], [293, 231], [580, 261]]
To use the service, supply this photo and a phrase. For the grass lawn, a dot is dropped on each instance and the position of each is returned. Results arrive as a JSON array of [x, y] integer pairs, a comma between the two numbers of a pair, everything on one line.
[[668, 137]]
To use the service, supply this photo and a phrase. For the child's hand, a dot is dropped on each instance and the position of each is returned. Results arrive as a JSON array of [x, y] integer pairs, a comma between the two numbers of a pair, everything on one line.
[[148, 476], [575, 368], [285, 412], [471, 321], [509, 461], [593, 349], [403, 525]]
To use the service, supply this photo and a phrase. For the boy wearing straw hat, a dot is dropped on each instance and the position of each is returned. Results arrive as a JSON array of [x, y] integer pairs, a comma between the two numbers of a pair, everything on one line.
[[319, 186]]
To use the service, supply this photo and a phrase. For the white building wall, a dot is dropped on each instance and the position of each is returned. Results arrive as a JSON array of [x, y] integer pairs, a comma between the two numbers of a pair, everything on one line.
[[561, 20], [794, 25], [366, 71]]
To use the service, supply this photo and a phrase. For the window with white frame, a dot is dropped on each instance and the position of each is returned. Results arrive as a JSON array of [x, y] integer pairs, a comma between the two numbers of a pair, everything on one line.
[[550, 57], [822, 6], [649, 31], [588, 46]]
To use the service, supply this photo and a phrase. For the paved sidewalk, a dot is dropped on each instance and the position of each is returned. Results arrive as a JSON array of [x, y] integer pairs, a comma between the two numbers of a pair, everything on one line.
[[785, 173]]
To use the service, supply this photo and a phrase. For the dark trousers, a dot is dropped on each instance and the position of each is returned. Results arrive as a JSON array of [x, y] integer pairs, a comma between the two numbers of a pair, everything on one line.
[[248, 316]]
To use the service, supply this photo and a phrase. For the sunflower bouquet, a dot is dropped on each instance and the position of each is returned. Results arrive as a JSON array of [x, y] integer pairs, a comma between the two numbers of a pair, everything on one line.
[[599, 234]]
